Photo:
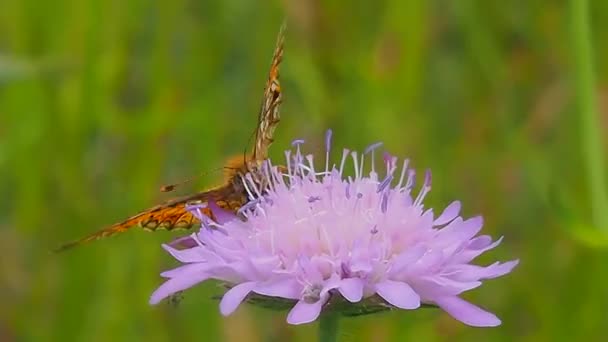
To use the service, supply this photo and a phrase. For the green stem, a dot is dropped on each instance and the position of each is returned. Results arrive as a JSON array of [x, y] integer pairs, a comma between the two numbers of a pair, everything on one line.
[[588, 114], [328, 327]]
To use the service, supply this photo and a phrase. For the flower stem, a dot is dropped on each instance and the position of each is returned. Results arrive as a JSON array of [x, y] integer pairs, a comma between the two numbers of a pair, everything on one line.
[[328, 327], [587, 106]]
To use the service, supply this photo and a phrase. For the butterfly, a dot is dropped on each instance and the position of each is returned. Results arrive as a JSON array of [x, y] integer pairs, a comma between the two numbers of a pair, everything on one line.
[[231, 195]]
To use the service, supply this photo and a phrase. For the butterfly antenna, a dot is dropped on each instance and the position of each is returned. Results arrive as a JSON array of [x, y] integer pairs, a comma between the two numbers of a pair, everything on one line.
[[171, 187]]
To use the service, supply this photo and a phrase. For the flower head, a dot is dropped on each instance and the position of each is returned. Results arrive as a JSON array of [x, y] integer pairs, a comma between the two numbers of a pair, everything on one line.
[[312, 234]]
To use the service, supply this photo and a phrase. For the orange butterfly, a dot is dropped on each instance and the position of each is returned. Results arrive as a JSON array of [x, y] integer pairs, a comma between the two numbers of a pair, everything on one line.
[[229, 196]]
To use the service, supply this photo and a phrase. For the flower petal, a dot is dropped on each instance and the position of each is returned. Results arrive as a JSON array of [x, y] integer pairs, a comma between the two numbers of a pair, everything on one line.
[[472, 252], [194, 254], [448, 214], [438, 286], [185, 242], [351, 289], [304, 312], [187, 270], [175, 285], [470, 227], [329, 284], [467, 272], [233, 298], [466, 312], [402, 261], [285, 288], [398, 294]]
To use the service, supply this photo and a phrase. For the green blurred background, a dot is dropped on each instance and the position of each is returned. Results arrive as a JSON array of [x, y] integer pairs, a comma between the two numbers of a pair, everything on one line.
[[102, 102]]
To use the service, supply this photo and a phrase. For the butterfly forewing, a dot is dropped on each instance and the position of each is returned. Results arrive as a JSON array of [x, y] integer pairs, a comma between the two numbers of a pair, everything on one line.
[[269, 115], [230, 196]]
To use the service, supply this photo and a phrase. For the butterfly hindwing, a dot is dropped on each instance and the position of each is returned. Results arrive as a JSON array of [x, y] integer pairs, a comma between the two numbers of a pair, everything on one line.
[[168, 216]]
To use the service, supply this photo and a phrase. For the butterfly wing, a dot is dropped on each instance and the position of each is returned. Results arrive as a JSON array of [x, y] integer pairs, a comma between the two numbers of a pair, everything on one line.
[[173, 214], [167, 216], [269, 115]]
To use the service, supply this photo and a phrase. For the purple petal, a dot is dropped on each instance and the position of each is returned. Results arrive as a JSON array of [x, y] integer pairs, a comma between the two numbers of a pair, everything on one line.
[[285, 288], [194, 254], [351, 289], [466, 272], [332, 283], [472, 252], [310, 270], [467, 313], [402, 261], [438, 286], [499, 269], [244, 269], [233, 298], [429, 261], [448, 214], [187, 270], [398, 294], [471, 227], [184, 242], [459, 231], [266, 264], [361, 266], [304, 312], [480, 242], [175, 285]]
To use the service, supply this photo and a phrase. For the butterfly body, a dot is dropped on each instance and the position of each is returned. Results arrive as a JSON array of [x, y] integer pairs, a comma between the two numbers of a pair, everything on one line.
[[231, 195]]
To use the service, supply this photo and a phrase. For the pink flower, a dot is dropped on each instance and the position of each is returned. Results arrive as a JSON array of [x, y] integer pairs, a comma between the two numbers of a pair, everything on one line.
[[310, 235]]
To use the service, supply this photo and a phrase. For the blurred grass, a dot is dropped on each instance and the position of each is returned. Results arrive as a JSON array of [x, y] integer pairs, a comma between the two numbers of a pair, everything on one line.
[[103, 102]]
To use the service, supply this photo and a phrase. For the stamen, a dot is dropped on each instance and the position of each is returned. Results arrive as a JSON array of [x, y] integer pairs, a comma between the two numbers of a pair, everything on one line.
[[195, 209], [297, 142], [387, 159], [327, 149], [403, 170], [247, 189], [277, 177], [426, 187], [427, 178], [310, 160], [288, 161], [384, 202], [248, 205], [254, 186], [372, 148], [386, 182], [394, 164], [388, 162], [298, 157], [361, 165], [268, 184], [299, 166], [345, 153], [356, 162], [411, 174]]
